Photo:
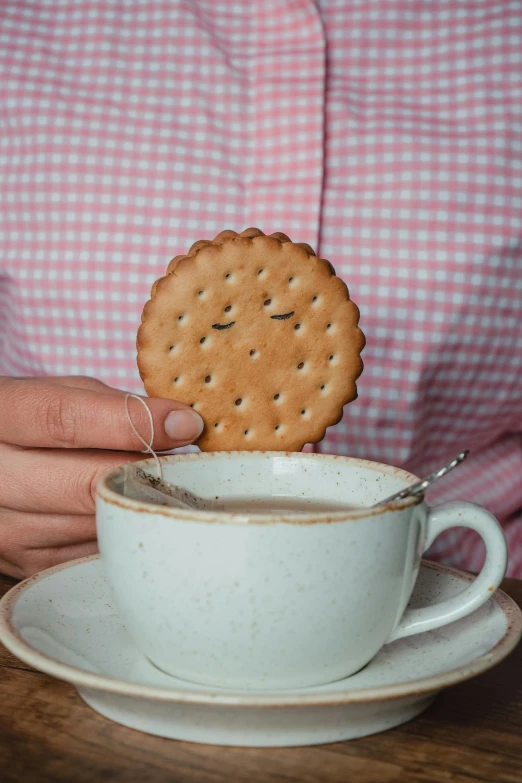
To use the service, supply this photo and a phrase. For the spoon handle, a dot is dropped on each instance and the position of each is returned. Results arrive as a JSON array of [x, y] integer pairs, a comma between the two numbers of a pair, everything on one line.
[[420, 486]]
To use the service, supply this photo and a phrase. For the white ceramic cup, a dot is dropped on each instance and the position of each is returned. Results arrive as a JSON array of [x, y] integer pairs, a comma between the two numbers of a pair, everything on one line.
[[271, 602]]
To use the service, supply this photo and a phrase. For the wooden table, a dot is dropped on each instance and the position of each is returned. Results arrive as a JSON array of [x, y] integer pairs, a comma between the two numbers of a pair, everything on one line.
[[472, 733]]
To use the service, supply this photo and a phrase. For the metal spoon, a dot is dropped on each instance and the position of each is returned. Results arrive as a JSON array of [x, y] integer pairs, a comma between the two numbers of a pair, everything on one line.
[[420, 486]]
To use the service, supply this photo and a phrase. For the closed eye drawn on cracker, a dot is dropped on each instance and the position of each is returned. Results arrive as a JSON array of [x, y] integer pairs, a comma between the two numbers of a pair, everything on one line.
[[223, 326]]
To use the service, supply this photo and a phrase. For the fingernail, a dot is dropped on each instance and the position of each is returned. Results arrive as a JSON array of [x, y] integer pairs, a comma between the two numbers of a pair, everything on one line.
[[183, 425]]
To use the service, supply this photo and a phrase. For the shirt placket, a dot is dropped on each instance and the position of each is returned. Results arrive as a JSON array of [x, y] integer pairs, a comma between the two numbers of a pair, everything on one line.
[[287, 78]]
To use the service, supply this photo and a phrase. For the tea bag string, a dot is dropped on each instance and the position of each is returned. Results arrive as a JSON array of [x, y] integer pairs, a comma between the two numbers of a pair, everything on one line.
[[148, 445]]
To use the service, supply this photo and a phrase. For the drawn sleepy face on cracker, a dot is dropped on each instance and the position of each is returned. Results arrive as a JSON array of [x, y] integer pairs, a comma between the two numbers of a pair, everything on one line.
[[258, 335], [281, 317]]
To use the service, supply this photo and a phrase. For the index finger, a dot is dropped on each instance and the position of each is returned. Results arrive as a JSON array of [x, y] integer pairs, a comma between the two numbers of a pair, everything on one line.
[[46, 415]]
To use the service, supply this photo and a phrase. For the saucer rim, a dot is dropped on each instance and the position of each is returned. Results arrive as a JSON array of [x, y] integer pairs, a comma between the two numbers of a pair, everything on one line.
[[81, 679]]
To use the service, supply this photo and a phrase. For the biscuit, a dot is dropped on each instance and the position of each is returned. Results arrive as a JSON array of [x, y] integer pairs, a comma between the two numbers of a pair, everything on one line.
[[258, 335]]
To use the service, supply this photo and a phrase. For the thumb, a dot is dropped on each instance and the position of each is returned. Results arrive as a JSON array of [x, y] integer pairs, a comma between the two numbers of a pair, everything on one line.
[[181, 424], [44, 415]]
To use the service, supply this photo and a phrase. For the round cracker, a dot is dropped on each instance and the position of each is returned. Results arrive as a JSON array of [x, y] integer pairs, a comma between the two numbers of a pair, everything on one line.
[[258, 335]]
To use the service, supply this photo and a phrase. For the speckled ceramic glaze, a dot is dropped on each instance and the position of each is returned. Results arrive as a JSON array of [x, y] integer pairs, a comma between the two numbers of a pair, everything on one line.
[[268, 602], [64, 622]]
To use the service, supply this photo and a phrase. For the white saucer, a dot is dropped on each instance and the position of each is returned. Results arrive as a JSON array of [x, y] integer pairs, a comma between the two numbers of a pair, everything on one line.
[[63, 622]]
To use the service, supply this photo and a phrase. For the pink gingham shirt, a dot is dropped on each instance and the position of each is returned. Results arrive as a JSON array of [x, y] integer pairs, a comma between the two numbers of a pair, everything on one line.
[[385, 133]]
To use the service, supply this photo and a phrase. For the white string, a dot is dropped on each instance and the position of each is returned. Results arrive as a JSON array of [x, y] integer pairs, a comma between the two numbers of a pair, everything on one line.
[[148, 446]]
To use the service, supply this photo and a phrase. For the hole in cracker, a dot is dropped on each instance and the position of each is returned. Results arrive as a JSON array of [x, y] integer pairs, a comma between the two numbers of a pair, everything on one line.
[[277, 427], [315, 299], [253, 353], [323, 387], [181, 318], [177, 379], [172, 348], [228, 275], [328, 327], [260, 272], [267, 302], [297, 327], [304, 412], [200, 293], [276, 397], [208, 378], [203, 340], [291, 280], [331, 357], [300, 366], [216, 424], [228, 308], [239, 401], [246, 433]]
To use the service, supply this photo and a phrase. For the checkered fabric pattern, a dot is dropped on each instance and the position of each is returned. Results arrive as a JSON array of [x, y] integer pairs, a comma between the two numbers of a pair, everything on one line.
[[386, 133]]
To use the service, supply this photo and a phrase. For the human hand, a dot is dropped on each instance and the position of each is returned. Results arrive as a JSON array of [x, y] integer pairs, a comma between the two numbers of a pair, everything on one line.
[[57, 437]]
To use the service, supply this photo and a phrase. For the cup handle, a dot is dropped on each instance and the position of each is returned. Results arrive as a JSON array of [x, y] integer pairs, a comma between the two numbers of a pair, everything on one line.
[[480, 590]]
